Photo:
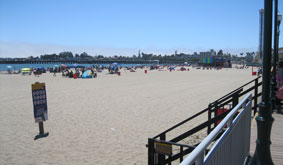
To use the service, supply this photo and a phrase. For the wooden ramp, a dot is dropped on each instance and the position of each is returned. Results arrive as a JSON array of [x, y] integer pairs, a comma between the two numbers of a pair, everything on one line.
[[276, 138]]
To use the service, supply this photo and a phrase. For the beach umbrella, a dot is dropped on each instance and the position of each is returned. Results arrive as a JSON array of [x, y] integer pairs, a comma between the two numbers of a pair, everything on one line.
[[64, 66], [115, 63], [75, 65], [10, 67], [55, 65]]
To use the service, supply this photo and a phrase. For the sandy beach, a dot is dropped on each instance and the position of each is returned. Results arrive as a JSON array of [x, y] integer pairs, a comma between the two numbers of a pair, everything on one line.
[[105, 120]]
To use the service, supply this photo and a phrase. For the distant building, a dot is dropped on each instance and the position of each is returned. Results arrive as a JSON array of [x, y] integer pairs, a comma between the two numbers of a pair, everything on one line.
[[210, 58], [207, 57], [19, 59], [156, 62], [195, 55], [250, 57]]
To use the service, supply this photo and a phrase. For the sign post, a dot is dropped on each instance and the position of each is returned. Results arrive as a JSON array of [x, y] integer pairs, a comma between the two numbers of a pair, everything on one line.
[[39, 105]]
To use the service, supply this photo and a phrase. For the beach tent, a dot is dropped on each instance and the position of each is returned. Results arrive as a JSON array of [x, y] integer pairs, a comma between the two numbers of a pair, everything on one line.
[[112, 67], [87, 74], [41, 69], [114, 64], [25, 70]]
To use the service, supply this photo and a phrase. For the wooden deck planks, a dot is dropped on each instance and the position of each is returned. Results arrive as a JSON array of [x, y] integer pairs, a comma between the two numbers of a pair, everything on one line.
[[276, 138]]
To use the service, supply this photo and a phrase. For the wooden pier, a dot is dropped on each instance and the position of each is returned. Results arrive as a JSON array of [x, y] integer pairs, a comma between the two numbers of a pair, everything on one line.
[[29, 61], [74, 62], [276, 138]]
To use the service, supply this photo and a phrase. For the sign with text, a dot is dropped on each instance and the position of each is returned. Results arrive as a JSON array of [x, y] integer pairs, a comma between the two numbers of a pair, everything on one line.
[[39, 102], [162, 148]]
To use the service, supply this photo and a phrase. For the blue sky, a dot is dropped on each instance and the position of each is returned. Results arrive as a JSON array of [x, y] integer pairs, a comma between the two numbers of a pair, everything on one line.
[[122, 27]]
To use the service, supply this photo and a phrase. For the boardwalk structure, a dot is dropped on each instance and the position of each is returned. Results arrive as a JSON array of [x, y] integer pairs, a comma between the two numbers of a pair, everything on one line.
[[276, 138]]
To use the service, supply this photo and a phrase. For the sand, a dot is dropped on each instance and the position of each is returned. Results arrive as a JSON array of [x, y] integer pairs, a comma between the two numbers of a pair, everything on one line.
[[106, 120]]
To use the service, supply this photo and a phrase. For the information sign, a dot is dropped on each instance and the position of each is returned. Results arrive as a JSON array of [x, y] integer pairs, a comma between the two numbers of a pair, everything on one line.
[[162, 148], [39, 102]]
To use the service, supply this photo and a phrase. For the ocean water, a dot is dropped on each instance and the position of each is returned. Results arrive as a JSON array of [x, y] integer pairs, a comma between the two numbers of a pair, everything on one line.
[[4, 67]]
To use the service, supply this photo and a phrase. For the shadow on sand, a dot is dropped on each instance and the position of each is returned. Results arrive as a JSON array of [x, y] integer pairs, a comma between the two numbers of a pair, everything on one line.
[[41, 136]]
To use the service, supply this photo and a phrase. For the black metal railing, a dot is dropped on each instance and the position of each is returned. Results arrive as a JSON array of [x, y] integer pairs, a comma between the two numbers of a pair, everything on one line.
[[214, 113]]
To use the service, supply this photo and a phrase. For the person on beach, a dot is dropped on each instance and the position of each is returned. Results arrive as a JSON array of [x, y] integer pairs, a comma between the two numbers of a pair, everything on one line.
[[279, 75], [93, 73], [259, 71], [54, 73], [83, 70], [71, 74], [63, 74], [78, 73], [279, 94]]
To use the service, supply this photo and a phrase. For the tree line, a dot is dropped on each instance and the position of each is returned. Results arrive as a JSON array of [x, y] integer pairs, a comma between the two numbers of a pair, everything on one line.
[[69, 56]]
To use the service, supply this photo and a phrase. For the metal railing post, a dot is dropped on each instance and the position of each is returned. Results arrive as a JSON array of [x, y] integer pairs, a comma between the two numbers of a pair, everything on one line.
[[161, 158], [255, 96], [209, 118], [275, 52], [150, 151], [215, 112], [169, 157], [181, 153], [235, 99]]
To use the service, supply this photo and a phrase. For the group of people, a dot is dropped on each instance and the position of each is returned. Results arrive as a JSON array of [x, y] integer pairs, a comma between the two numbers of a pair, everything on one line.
[[276, 101], [78, 73], [113, 69]]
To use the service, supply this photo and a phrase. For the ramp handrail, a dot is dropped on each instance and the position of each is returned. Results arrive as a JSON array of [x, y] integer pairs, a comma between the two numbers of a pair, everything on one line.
[[216, 111], [197, 155]]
